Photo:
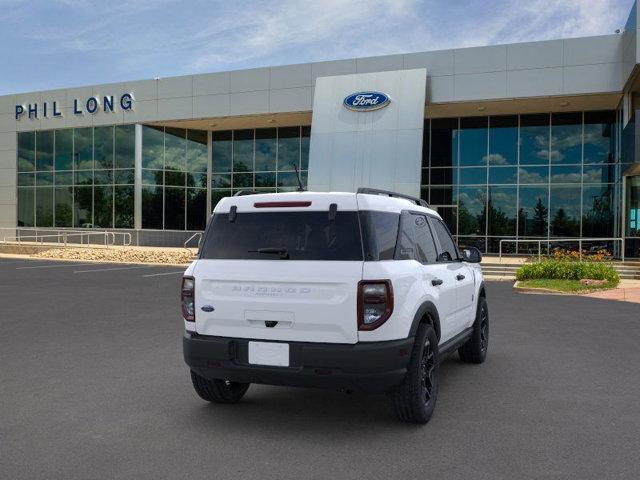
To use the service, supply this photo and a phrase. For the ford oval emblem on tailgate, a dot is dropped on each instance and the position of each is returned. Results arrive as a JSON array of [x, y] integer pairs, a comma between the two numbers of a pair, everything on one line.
[[207, 308]]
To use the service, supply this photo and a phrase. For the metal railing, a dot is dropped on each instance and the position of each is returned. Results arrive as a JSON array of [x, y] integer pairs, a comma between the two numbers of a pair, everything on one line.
[[188, 240], [549, 242], [69, 237]]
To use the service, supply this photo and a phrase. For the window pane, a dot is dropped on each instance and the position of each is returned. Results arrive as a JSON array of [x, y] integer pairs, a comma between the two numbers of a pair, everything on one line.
[[124, 176], [196, 208], [534, 175], [64, 150], [534, 139], [152, 147], [221, 151], [503, 140], [444, 148], [26, 179], [265, 149], [288, 148], [473, 176], [44, 179], [83, 148], [26, 151], [565, 211], [102, 177], [450, 217], [501, 175], [566, 174], [83, 177], [444, 176], [176, 179], [501, 210], [217, 195], [380, 231], [442, 196], [533, 213], [197, 179], [152, 177], [599, 173], [446, 242], [82, 206], [243, 180], [597, 211], [103, 147], [26, 202], [425, 246], [221, 181], [124, 207], [125, 152], [566, 138], [304, 147], [288, 179], [243, 150], [473, 141], [44, 207], [174, 208], [152, 207], [197, 152], [103, 207], [598, 137], [175, 149], [265, 179], [471, 211], [44, 150]]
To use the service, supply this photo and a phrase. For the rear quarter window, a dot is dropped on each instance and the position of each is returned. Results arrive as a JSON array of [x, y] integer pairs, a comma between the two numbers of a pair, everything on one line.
[[379, 233], [303, 235]]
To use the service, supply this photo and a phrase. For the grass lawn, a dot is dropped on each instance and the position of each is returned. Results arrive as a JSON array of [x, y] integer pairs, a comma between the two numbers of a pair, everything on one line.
[[567, 286]]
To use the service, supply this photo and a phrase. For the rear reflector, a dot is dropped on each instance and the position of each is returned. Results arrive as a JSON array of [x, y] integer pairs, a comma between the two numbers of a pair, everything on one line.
[[281, 204]]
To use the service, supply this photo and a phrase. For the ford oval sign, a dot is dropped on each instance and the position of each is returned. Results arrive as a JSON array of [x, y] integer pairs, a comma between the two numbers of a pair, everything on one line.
[[366, 101]]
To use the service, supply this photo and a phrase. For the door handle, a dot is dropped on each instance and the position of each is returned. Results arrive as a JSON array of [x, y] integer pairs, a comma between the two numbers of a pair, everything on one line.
[[436, 281], [459, 277]]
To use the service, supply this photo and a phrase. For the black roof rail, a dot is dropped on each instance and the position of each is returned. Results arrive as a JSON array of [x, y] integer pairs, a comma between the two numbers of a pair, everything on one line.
[[242, 193], [376, 191]]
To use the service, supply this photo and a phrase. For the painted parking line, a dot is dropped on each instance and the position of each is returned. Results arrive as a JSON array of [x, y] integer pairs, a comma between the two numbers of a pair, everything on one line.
[[165, 273], [93, 270], [57, 265]]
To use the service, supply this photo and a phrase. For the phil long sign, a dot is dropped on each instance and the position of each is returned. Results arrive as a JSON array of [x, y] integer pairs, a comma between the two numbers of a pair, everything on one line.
[[52, 109], [366, 101]]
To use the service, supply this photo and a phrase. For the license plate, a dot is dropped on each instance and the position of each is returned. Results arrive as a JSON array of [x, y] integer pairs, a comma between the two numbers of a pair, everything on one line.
[[269, 353]]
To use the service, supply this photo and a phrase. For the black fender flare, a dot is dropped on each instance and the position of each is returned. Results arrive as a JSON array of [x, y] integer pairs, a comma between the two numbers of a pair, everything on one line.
[[427, 308]]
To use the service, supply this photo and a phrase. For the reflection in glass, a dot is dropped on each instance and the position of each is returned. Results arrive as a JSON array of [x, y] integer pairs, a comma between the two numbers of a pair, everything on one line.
[[26, 151], [533, 213], [473, 141], [174, 208], [444, 142], [26, 179], [503, 140], [152, 147], [44, 207], [103, 207], [83, 206], [64, 149], [444, 176], [83, 148], [571, 174], [125, 146], [266, 149], [502, 175], [605, 173], [565, 211], [443, 196], [304, 147], [597, 211], [534, 175], [534, 139], [123, 201], [599, 141], [197, 151], [44, 179], [26, 205], [471, 211], [501, 211], [288, 148], [152, 207], [175, 149], [196, 208], [44, 150], [103, 147], [243, 150], [566, 138], [221, 151], [473, 176]]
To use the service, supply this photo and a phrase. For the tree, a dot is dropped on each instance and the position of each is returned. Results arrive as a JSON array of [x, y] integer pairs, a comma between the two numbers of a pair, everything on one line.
[[540, 219]]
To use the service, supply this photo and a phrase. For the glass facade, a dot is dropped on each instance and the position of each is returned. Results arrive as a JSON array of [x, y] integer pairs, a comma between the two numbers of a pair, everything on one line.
[[539, 176], [262, 159], [77, 177]]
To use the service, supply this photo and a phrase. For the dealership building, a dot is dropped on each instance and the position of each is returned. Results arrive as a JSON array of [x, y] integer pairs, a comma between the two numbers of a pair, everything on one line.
[[519, 142]]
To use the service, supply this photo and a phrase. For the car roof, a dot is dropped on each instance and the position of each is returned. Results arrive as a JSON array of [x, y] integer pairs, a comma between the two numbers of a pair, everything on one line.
[[318, 201]]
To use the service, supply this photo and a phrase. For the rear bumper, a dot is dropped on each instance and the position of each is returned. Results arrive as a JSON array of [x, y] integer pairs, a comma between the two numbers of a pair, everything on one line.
[[373, 367]]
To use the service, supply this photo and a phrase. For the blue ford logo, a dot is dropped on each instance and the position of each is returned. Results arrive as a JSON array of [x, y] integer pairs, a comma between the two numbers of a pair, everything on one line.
[[366, 101]]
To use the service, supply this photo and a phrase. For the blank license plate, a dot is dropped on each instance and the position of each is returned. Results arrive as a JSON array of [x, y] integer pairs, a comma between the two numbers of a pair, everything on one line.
[[269, 353]]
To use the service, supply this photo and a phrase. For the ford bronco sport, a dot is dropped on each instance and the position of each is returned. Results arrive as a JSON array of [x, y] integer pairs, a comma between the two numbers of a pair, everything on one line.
[[355, 291]]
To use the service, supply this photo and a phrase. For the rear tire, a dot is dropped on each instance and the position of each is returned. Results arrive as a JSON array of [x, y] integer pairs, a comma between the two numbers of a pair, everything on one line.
[[218, 391], [415, 399], [475, 349]]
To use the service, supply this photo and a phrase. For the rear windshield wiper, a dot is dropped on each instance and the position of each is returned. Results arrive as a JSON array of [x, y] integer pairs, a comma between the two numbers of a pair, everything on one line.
[[283, 252]]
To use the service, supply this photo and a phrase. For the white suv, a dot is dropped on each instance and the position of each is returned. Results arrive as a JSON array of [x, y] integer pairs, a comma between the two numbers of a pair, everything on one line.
[[355, 291]]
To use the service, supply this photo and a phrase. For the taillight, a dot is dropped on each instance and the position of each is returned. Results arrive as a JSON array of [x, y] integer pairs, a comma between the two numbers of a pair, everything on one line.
[[375, 303], [187, 298]]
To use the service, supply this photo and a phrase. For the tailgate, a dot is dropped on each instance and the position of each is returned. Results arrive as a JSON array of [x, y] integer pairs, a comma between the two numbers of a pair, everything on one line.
[[303, 301]]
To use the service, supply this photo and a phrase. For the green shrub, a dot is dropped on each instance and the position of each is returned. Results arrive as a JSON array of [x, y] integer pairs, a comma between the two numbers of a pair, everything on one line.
[[558, 269]]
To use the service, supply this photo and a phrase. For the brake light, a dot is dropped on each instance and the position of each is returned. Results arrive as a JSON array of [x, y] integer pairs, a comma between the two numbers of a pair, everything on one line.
[[187, 298], [281, 204], [375, 303]]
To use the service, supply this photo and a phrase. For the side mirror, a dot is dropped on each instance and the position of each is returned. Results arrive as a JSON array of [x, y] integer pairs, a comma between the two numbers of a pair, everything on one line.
[[471, 255]]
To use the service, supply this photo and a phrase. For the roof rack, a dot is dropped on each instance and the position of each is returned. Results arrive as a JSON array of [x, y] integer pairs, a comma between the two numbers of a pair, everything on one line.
[[242, 193], [376, 191]]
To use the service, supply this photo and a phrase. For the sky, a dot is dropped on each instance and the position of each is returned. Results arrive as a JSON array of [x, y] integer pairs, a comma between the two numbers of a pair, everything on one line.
[[48, 44]]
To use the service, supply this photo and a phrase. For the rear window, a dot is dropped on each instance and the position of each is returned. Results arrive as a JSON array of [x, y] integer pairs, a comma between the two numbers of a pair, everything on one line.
[[283, 235]]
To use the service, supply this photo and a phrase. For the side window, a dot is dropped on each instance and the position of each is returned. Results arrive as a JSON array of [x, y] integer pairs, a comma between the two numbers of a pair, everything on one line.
[[448, 248], [405, 248], [425, 246]]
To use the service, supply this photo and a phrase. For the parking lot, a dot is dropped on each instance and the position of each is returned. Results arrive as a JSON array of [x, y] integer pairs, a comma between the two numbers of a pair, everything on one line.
[[93, 386]]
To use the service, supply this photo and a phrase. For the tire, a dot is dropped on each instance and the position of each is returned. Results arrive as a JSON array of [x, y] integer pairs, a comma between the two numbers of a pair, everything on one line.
[[475, 349], [218, 391], [415, 399]]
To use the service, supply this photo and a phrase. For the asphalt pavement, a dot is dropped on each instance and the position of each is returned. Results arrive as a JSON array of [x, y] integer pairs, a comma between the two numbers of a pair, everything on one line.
[[93, 386]]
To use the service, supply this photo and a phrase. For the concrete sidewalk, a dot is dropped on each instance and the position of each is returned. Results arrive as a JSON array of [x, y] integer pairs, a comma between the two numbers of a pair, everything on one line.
[[627, 291]]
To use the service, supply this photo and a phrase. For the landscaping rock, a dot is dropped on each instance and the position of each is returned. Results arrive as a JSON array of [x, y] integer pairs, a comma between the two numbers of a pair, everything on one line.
[[593, 283], [164, 256]]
